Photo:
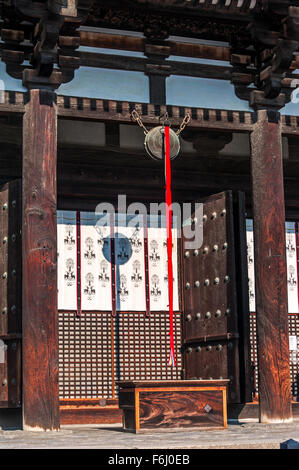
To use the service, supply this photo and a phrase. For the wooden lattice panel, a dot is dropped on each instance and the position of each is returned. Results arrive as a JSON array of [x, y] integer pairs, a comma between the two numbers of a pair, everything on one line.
[[141, 349], [294, 355], [142, 346], [85, 355], [253, 351]]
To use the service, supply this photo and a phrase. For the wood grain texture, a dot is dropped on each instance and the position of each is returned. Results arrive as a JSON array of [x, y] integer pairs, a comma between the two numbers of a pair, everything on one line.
[[180, 409], [270, 270], [89, 411], [10, 375], [10, 294], [40, 321], [90, 415], [151, 405], [210, 327], [251, 411], [131, 43], [93, 109], [171, 384], [10, 258]]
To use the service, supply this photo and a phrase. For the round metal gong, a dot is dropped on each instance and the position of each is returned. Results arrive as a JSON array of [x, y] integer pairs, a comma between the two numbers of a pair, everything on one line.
[[154, 141]]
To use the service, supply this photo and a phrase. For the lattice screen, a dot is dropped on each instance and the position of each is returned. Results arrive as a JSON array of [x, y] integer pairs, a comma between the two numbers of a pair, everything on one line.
[[253, 349], [141, 348], [294, 355], [85, 355]]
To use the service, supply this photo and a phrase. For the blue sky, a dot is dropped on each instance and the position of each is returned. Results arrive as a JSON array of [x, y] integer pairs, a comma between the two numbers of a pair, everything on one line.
[[133, 86]]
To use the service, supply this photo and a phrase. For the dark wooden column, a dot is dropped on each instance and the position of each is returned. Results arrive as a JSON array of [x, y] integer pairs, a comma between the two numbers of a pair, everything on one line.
[[157, 50], [39, 320], [270, 269]]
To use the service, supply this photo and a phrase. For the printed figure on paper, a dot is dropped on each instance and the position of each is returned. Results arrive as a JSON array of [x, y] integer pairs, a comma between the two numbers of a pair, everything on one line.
[[155, 290], [102, 241], [69, 240], [135, 240], [154, 254], [69, 275], [290, 248], [89, 289], [89, 253], [104, 274], [292, 281], [166, 273], [251, 290], [123, 255], [123, 290], [292, 277], [136, 276], [250, 253]]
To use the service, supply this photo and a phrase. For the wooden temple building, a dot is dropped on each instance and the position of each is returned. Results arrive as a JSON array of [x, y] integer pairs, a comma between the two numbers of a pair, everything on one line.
[[63, 152]]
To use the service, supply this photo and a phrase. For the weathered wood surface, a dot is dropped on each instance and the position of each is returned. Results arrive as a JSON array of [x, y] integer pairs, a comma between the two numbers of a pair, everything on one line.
[[132, 43], [119, 111], [210, 327], [40, 322], [10, 375], [271, 269], [173, 404], [251, 411], [10, 259], [180, 409], [10, 294], [89, 411], [131, 384], [139, 64]]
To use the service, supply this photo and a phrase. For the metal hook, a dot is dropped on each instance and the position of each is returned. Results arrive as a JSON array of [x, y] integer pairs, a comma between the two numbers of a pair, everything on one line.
[[165, 119]]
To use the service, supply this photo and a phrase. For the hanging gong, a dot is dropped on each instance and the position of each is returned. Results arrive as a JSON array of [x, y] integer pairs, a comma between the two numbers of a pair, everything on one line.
[[154, 141]]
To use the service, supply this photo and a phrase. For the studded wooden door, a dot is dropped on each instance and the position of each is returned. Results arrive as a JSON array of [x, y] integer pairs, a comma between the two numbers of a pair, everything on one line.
[[211, 329], [10, 295]]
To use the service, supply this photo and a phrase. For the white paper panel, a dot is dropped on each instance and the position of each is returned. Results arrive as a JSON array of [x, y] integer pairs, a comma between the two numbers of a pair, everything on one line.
[[251, 277], [95, 264], [95, 261], [292, 268], [104, 257], [174, 266], [129, 262], [66, 260], [293, 343], [158, 269]]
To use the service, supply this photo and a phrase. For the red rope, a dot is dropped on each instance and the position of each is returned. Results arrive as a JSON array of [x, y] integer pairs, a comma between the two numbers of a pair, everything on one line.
[[169, 242]]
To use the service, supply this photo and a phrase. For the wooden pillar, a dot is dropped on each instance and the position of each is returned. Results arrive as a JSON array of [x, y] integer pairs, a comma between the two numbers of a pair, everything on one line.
[[39, 290], [270, 269]]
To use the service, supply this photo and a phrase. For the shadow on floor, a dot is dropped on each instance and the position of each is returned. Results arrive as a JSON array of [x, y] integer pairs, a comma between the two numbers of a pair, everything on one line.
[[110, 429], [11, 419]]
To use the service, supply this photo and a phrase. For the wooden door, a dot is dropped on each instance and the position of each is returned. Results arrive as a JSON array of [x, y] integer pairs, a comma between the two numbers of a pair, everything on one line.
[[10, 295], [213, 329]]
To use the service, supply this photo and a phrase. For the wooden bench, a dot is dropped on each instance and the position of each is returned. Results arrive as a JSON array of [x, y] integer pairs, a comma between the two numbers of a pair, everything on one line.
[[173, 404]]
